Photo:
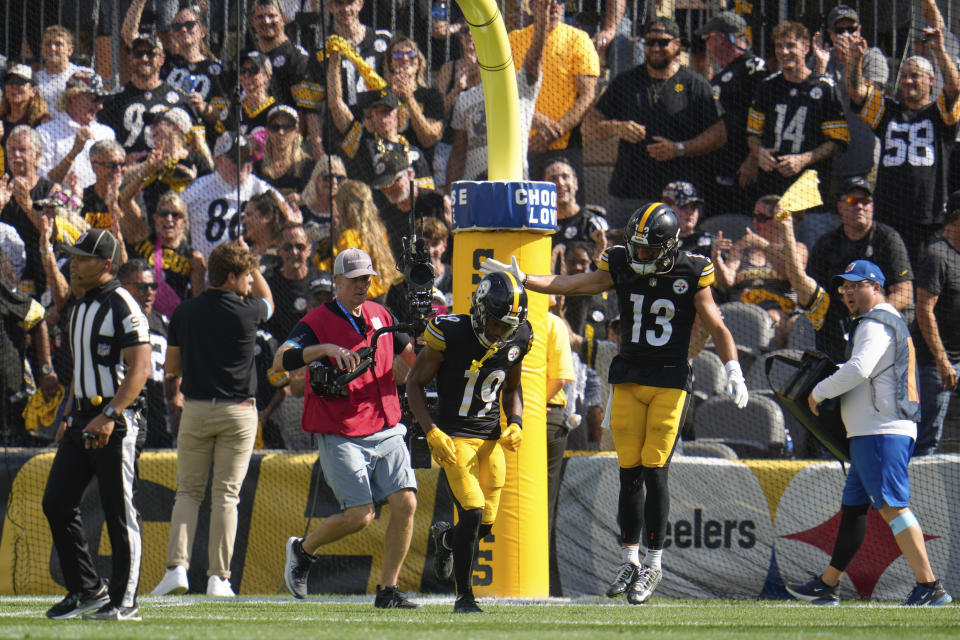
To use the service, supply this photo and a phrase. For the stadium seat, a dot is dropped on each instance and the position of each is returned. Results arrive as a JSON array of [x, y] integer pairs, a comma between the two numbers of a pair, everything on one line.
[[706, 449], [780, 373], [733, 225], [756, 431], [708, 375], [752, 329], [802, 335]]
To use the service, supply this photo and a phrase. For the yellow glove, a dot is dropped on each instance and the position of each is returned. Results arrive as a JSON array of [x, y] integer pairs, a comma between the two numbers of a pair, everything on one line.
[[442, 447], [512, 437]]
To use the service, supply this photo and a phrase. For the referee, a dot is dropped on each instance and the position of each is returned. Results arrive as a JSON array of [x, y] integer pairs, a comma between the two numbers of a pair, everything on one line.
[[110, 343]]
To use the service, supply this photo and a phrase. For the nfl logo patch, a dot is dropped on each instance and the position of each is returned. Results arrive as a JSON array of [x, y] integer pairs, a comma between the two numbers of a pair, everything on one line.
[[103, 350]]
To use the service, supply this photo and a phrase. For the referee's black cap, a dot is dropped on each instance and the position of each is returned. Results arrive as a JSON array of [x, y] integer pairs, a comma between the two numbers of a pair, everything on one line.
[[95, 243]]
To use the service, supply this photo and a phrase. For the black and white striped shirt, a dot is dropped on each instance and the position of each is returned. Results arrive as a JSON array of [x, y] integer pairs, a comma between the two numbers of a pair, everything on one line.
[[105, 322]]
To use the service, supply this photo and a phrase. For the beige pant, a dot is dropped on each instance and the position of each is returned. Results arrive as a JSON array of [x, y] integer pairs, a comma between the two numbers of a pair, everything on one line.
[[220, 432]]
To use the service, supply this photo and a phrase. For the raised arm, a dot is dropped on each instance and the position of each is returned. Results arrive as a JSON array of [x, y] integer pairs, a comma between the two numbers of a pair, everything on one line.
[[131, 22], [339, 111]]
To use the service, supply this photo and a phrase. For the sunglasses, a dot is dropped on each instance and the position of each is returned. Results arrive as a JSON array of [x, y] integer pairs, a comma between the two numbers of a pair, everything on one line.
[[17, 81], [144, 53], [167, 214], [407, 54], [762, 218], [113, 166], [248, 71], [143, 287], [290, 246], [853, 286], [854, 201], [189, 25], [839, 30], [279, 128], [334, 177], [657, 42]]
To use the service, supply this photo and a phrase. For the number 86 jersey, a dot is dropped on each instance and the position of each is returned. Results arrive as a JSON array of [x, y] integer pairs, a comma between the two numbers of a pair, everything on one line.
[[656, 318], [471, 376]]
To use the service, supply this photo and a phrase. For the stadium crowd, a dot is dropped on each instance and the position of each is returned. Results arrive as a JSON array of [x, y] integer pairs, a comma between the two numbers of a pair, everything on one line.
[[328, 149]]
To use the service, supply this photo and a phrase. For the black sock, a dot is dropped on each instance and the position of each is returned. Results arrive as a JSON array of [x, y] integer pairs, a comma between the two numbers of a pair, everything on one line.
[[850, 534], [930, 585], [464, 548]]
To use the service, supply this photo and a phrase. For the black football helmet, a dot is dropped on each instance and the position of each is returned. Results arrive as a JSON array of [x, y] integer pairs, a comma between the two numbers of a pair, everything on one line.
[[500, 297], [652, 226]]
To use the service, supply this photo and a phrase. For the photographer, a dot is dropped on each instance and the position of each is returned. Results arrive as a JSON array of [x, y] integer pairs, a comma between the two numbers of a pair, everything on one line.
[[362, 451]]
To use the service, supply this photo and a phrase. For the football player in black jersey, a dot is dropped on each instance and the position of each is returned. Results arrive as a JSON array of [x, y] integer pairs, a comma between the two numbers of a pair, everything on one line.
[[796, 119], [661, 291], [474, 358]]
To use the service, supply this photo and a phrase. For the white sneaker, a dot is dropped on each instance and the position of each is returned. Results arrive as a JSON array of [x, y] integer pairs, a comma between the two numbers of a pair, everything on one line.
[[174, 582], [219, 587]]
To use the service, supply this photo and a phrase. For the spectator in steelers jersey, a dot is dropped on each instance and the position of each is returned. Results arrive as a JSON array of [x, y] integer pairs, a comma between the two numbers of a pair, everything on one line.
[[665, 119], [66, 141], [189, 66], [421, 106], [733, 166], [179, 155], [917, 136], [688, 205], [476, 360], [125, 110], [255, 71], [661, 291], [214, 212], [288, 60], [574, 223], [796, 120], [101, 205], [166, 249], [284, 164]]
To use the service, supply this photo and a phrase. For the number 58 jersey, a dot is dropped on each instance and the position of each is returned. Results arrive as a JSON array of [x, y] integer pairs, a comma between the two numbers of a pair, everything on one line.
[[656, 318], [470, 378]]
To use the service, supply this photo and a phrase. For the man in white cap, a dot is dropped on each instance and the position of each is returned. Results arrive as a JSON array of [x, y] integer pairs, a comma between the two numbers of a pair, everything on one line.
[[364, 457]]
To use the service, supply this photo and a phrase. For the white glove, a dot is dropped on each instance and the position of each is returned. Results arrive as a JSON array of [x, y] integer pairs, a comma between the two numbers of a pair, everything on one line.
[[489, 265], [736, 385]]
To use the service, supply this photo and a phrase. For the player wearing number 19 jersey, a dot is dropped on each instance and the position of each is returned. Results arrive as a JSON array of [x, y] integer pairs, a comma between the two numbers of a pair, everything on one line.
[[473, 357], [661, 290]]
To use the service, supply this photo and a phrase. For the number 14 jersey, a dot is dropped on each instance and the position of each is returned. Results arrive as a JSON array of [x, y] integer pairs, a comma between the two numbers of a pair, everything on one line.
[[470, 378], [656, 318]]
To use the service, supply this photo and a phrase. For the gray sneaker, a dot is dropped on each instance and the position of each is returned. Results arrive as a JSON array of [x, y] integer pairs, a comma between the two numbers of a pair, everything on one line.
[[923, 596], [643, 587], [626, 576], [297, 568], [112, 612]]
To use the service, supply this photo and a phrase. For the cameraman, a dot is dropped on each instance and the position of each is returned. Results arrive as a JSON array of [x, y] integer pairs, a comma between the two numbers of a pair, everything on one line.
[[362, 451]]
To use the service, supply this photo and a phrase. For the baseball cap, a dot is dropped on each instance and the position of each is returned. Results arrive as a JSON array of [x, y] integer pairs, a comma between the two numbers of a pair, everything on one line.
[[149, 39], [227, 143], [175, 115], [259, 59], [840, 12], [86, 81], [662, 25], [353, 263], [680, 193], [856, 182], [96, 243], [384, 96], [21, 71], [283, 110], [862, 270], [322, 283], [387, 165], [726, 22]]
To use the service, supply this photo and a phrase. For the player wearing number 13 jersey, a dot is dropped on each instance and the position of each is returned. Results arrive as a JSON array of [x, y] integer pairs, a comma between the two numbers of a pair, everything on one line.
[[473, 357], [661, 290]]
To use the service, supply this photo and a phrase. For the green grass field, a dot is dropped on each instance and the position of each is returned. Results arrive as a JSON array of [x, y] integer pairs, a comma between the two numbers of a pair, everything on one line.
[[354, 618]]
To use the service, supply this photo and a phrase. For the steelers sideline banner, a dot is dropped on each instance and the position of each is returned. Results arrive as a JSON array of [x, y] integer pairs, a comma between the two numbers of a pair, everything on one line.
[[740, 528], [737, 529]]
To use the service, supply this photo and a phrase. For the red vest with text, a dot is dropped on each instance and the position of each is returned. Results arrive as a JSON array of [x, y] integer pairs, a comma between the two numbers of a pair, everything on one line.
[[373, 404]]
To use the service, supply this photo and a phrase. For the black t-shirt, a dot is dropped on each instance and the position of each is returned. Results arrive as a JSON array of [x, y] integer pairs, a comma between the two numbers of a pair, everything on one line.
[[700, 242], [34, 280], [428, 203], [939, 274], [289, 299], [123, 112], [209, 78], [289, 63], [364, 151], [796, 117], [678, 108], [831, 254], [294, 180], [579, 227], [94, 210], [735, 86], [431, 104], [176, 266], [216, 334]]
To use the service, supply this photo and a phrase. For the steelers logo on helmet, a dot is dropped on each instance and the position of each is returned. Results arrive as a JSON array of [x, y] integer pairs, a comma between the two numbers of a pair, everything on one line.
[[652, 239], [498, 308]]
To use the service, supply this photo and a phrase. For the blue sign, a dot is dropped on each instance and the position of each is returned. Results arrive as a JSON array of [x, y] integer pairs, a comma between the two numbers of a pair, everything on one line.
[[504, 206]]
